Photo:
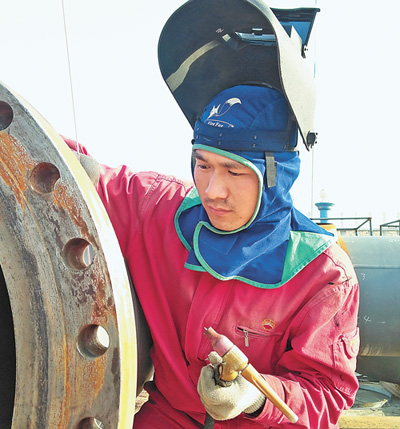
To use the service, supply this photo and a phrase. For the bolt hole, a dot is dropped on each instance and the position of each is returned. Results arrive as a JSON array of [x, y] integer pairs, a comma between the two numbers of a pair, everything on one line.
[[93, 341], [90, 423], [44, 178], [6, 115], [78, 254]]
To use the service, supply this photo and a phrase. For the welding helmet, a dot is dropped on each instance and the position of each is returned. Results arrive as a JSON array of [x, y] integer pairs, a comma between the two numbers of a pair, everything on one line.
[[207, 46]]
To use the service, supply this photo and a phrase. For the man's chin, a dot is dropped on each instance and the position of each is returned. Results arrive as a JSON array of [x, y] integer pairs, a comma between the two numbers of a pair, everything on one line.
[[223, 225]]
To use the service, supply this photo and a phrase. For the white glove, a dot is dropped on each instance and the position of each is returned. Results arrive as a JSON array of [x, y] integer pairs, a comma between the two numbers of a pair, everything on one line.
[[224, 403], [90, 165]]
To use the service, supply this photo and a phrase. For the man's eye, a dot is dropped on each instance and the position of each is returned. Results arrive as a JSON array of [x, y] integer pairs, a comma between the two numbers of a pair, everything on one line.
[[234, 174]]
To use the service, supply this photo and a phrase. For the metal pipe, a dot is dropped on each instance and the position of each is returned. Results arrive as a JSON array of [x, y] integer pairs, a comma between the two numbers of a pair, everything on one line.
[[324, 208], [72, 314]]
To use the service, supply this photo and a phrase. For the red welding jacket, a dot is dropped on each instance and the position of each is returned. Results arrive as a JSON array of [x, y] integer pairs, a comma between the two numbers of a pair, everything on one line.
[[302, 335]]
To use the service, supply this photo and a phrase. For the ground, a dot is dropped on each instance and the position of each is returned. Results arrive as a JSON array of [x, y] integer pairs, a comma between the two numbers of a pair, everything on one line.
[[376, 406]]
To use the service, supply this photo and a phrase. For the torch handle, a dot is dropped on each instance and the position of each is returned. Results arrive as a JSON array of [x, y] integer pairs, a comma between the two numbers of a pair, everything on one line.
[[254, 377]]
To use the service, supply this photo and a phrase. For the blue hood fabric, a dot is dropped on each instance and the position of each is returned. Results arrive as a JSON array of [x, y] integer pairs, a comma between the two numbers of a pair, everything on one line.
[[256, 252], [247, 118]]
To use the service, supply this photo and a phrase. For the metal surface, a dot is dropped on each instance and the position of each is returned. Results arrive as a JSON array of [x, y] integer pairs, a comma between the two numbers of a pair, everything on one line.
[[74, 362], [356, 229], [377, 264], [389, 227]]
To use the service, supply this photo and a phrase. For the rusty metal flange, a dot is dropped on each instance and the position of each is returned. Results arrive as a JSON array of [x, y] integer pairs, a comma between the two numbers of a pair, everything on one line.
[[68, 290]]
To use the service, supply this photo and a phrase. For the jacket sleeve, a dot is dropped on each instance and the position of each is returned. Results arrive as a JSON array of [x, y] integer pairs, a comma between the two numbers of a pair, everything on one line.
[[316, 375], [75, 146], [123, 193]]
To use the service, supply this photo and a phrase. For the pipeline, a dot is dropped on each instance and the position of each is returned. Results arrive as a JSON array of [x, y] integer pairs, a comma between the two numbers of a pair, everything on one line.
[[376, 261], [69, 354]]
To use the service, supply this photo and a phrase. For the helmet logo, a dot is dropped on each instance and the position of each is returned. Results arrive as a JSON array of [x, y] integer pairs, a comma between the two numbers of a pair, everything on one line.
[[216, 113]]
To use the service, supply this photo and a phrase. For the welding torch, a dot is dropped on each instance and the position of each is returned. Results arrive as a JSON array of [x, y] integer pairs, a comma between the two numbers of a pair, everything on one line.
[[235, 362]]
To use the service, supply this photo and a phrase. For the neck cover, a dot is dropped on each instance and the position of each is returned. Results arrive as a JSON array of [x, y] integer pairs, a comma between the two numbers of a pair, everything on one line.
[[278, 241]]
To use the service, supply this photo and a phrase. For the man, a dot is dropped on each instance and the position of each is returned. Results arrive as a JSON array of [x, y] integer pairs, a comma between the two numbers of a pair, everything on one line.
[[234, 254]]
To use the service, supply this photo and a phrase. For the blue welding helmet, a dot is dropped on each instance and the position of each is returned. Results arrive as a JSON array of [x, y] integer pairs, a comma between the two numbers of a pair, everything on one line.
[[207, 46]]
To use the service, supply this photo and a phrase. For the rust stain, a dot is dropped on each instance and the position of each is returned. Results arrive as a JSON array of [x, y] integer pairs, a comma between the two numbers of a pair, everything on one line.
[[104, 296], [15, 163], [66, 201], [84, 379], [63, 364], [89, 378]]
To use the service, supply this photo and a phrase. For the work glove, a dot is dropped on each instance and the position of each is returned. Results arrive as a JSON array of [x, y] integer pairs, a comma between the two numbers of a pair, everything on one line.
[[227, 401], [91, 167]]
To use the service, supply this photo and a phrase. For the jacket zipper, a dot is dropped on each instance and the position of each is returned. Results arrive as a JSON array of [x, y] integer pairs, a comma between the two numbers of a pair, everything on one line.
[[246, 338], [247, 334]]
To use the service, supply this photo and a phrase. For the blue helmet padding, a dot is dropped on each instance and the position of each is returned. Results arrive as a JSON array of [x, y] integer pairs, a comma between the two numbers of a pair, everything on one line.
[[247, 118]]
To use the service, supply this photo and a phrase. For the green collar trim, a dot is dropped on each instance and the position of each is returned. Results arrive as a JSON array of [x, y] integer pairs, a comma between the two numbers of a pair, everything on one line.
[[303, 247], [192, 199], [194, 267]]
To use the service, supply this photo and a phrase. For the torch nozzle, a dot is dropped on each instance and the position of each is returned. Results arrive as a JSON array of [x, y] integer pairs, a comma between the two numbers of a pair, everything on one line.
[[220, 343]]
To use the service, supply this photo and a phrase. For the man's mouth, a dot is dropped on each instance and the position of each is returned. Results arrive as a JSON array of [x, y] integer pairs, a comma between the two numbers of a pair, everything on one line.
[[218, 211]]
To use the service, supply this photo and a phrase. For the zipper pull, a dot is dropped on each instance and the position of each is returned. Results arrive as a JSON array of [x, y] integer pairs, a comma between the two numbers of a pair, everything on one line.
[[246, 338]]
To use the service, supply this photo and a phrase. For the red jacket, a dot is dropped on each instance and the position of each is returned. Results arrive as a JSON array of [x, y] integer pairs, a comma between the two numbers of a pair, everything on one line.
[[302, 336]]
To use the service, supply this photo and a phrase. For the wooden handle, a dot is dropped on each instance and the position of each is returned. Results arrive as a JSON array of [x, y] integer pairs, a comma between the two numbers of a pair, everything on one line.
[[254, 377]]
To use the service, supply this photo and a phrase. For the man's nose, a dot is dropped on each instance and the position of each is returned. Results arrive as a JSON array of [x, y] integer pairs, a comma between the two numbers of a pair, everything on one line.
[[216, 188]]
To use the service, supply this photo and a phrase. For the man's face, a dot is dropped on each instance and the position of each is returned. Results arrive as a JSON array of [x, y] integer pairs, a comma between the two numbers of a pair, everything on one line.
[[228, 189]]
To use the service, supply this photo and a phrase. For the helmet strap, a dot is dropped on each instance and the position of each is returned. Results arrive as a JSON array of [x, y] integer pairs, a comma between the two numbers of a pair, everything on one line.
[[270, 169]]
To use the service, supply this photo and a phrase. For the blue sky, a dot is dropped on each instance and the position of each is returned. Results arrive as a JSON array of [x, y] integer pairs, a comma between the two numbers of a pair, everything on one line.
[[125, 113]]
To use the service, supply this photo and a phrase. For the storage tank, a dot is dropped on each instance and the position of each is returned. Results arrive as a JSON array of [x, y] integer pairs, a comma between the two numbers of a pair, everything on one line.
[[376, 260]]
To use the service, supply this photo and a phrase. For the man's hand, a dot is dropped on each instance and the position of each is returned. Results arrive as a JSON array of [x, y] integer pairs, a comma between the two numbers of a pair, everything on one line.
[[224, 403], [91, 167]]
